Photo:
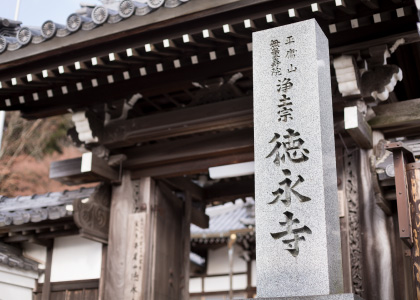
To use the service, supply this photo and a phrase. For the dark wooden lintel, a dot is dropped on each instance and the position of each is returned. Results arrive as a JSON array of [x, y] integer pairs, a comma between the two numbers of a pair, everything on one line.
[[148, 85], [185, 184], [187, 149], [229, 190], [397, 119], [192, 167], [86, 169], [220, 115]]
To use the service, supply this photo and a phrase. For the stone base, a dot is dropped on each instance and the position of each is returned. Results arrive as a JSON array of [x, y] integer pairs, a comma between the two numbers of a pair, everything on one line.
[[326, 297]]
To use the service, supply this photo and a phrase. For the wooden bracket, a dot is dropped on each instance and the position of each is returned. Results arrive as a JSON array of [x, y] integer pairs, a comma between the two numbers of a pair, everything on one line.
[[92, 215], [356, 125], [402, 157], [85, 169]]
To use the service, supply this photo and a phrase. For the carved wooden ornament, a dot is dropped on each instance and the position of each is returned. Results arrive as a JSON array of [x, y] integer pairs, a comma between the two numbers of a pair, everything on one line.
[[92, 214]]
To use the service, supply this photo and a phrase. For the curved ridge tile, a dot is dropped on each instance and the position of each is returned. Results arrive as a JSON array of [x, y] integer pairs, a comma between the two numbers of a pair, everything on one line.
[[86, 18]]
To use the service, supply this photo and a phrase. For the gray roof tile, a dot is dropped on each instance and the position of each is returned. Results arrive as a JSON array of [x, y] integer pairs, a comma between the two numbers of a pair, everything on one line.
[[227, 217], [86, 18], [36, 208]]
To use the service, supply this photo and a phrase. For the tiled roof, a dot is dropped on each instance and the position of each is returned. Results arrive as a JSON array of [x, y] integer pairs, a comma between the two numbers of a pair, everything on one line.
[[226, 218], [14, 36], [12, 257], [37, 208]]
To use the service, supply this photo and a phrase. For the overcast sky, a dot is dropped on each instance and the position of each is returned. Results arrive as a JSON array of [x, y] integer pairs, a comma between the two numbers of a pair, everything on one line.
[[36, 12]]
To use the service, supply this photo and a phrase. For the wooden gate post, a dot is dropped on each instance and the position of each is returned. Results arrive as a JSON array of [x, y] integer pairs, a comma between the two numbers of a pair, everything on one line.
[[413, 182], [407, 184]]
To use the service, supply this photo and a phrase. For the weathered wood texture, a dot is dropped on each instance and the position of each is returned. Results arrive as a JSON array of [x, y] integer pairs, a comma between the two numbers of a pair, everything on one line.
[[192, 166], [225, 114], [73, 171], [397, 119], [167, 268], [385, 273], [46, 289], [413, 178], [186, 245], [344, 228], [101, 289], [172, 158], [229, 190], [135, 257], [92, 217], [163, 259], [66, 290], [148, 200], [122, 204], [357, 127], [352, 215]]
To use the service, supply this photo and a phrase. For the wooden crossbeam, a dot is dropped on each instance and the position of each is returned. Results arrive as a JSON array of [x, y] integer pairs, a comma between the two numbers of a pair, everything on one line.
[[192, 166], [319, 11], [373, 4], [345, 6], [85, 169], [148, 85], [397, 119], [226, 191], [356, 125], [225, 114], [187, 185], [195, 148]]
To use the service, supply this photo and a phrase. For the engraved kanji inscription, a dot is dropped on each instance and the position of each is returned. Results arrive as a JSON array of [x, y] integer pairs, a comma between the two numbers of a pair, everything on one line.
[[291, 235], [288, 146], [291, 53], [289, 40], [285, 112], [284, 85], [275, 53], [293, 146], [291, 69], [288, 188]]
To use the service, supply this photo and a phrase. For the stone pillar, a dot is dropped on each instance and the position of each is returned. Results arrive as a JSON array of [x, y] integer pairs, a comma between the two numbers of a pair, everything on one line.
[[297, 220]]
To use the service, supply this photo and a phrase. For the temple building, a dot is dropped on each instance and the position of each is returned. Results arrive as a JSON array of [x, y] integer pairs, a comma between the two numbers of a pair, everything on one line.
[[160, 93]]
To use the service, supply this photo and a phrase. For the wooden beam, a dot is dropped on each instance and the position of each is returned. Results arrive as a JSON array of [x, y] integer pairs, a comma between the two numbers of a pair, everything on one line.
[[85, 214], [198, 215], [122, 205], [199, 218], [398, 114], [46, 289], [149, 85], [101, 287], [39, 227], [85, 169], [187, 186], [357, 127], [186, 245], [225, 114], [345, 6], [192, 166], [225, 191], [373, 4], [195, 148]]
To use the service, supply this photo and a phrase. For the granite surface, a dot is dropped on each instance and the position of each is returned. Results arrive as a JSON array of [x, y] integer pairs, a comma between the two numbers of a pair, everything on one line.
[[297, 222]]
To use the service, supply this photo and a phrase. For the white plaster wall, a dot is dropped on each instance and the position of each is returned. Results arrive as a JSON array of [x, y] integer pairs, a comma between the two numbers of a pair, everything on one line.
[[75, 258], [218, 261], [221, 283], [16, 284], [13, 292], [195, 285], [35, 252]]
